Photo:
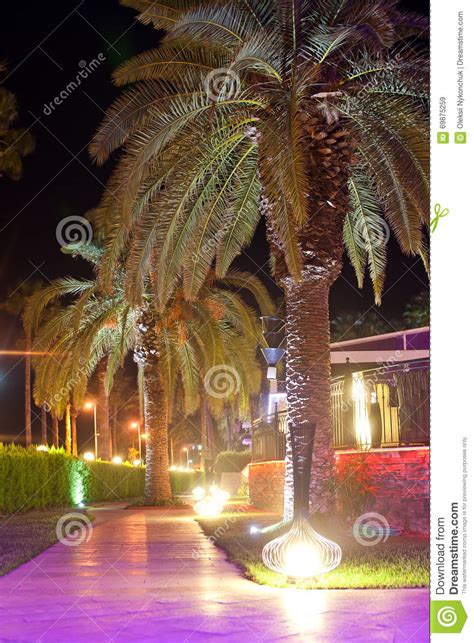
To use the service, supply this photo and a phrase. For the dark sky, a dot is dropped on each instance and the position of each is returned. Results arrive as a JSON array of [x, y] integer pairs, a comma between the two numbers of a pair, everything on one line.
[[44, 44]]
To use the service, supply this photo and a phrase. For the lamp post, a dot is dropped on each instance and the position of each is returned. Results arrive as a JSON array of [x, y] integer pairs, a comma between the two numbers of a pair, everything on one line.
[[187, 455], [136, 425], [91, 404]]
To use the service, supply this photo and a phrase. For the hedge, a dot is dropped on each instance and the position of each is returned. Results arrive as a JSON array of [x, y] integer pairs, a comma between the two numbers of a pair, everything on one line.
[[31, 479], [232, 461]]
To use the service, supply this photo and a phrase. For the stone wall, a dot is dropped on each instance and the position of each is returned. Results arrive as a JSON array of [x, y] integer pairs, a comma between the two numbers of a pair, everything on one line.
[[266, 483], [401, 477]]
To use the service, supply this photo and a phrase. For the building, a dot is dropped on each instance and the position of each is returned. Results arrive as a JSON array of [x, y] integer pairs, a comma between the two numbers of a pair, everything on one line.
[[380, 417]]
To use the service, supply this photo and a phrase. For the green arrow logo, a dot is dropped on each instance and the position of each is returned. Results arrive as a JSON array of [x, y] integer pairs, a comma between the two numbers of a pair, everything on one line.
[[447, 617]]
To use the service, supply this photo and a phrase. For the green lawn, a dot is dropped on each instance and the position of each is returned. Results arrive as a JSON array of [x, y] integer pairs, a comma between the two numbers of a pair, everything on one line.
[[23, 536], [401, 561]]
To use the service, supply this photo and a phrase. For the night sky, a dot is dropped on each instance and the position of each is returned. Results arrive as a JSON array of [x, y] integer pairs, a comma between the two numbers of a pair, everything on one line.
[[44, 44]]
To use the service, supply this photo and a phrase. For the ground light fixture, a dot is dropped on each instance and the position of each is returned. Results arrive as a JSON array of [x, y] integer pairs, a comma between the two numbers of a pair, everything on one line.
[[301, 552], [42, 447], [117, 459], [137, 463], [199, 493], [208, 506], [89, 456]]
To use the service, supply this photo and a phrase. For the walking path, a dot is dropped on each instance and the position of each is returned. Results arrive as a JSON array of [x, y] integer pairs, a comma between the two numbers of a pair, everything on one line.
[[151, 575]]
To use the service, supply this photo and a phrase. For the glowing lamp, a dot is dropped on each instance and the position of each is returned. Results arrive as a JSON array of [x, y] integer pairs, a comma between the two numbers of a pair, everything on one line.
[[42, 447], [301, 552], [254, 529], [219, 494], [117, 459], [89, 456], [208, 506], [199, 493], [173, 468], [137, 463]]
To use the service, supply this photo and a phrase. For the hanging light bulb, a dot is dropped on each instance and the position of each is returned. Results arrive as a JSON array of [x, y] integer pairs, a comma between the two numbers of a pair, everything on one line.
[[301, 552]]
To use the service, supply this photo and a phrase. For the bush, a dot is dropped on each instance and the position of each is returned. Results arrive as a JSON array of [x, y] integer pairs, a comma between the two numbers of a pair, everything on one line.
[[30, 479], [185, 481], [231, 461]]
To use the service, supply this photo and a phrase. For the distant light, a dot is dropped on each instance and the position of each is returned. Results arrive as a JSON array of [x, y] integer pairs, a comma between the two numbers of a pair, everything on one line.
[[81, 505], [254, 529], [134, 425], [42, 447], [199, 493], [173, 468], [89, 456], [117, 459], [89, 405], [137, 463]]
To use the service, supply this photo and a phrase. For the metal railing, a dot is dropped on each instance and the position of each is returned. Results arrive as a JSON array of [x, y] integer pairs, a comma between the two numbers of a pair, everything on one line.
[[378, 408]]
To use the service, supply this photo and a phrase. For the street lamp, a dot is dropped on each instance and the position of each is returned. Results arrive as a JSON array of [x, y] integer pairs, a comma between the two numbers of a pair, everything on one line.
[[136, 425], [90, 404]]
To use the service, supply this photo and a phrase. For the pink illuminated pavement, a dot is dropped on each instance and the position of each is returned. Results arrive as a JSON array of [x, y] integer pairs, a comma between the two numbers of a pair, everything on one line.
[[151, 575]]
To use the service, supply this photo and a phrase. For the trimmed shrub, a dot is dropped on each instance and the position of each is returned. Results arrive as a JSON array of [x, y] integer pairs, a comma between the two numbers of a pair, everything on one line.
[[232, 461], [31, 479], [185, 481]]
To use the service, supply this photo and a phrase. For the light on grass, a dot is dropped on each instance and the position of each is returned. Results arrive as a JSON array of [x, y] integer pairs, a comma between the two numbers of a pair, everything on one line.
[[117, 459], [199, 493], [89, 456], [137, 463], [301, 552], [42, 447], [81, 505], [254, 529], [219, 494], [208, 506], [173, 468]]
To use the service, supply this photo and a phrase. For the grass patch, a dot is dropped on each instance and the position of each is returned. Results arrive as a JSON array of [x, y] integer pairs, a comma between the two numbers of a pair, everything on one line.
[[24, 536], [400, 561]]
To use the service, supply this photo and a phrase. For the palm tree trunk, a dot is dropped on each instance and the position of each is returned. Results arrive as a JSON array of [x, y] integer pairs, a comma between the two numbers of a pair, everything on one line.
[[157, 479], [28, 388], [74, 430], [68, 428], [103, 414], [55, 430], [203, 423], [44, 425], [308, 375]]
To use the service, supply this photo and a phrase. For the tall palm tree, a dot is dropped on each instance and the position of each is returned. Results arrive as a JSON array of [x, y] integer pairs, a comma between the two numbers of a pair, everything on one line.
[[14, 143], [14, 305], [311, 114], [217, 330]]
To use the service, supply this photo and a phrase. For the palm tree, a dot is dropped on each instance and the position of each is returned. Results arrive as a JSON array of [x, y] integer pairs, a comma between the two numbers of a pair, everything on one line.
[[310, 114], [218, 329], [14, 143], [14, 305]]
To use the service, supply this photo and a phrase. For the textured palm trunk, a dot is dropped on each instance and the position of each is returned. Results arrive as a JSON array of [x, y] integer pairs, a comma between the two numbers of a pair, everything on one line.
[[104, 448], [68, 440], [155, 409], [28, 388], [308, 376], [44, 425], [157, 479], [55, 430], [74, 430]]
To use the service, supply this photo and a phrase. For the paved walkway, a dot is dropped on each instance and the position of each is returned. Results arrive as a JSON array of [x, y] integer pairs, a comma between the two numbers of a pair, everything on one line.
[[139, 578]]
